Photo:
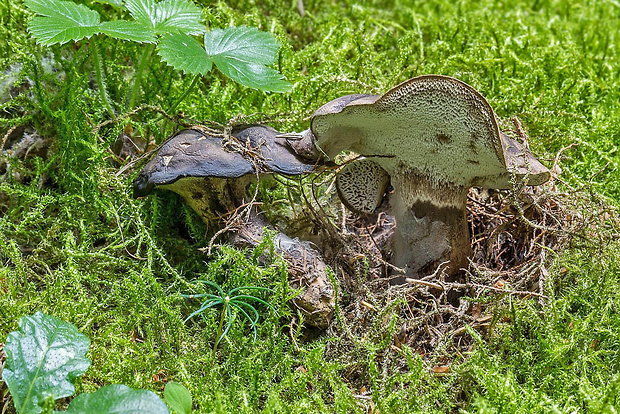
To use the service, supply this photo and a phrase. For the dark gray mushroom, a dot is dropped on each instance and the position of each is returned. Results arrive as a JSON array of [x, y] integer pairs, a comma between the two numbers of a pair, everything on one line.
[[436, 137], [213, 180]]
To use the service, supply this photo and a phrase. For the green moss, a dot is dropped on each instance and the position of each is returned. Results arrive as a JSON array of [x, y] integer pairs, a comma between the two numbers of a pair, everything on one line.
[[81, 249]]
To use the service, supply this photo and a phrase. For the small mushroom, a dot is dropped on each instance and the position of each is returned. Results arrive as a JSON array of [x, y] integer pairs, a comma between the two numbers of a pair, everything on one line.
[[436, 137], [361, 185], [214, 181]]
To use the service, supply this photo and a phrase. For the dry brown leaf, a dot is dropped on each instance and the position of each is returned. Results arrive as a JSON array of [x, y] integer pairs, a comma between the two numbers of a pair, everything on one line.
[[441, 369]]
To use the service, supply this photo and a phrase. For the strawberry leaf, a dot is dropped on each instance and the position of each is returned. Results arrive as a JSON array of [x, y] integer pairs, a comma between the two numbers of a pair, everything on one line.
[[247, 44], [240, 53], [253, 76], [61, 21], [177, 15], [141, 11], [168, 16], [126, 30], [184, 53]]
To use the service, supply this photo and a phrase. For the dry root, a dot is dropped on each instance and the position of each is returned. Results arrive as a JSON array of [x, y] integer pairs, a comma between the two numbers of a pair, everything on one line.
[[515, 236]]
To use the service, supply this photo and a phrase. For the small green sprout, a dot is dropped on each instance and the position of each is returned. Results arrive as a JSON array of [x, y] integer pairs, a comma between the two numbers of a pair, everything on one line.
[[229, 300]]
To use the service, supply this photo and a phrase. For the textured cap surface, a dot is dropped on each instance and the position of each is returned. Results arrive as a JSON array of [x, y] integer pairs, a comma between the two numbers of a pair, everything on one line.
[[437, 125], [361, 185], [193, 153], [520, 163]]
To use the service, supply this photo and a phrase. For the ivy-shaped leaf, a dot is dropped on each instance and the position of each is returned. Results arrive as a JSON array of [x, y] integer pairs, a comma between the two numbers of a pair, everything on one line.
[[240, 53], [43, 359], [61, 21], [167, 17], [118, 399]]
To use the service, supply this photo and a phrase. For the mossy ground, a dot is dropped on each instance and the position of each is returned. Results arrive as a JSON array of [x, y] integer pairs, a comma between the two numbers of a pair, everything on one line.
[[73, 243]]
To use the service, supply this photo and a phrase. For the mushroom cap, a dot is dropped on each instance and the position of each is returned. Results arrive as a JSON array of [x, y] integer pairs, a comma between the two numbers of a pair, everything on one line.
[[194, 153], [339, 104], [361, 185], [433, 124], [520, 164]]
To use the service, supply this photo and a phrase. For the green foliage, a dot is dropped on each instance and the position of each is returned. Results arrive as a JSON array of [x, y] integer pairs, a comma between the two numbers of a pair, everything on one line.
[[44, 358], [61, 21], [241, 53], [117, 399], [229, 301], [166, 16], [178, 398], [74, 243]]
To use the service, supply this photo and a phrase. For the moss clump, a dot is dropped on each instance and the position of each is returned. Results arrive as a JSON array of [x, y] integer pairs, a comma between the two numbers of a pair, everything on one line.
[[74, 244]]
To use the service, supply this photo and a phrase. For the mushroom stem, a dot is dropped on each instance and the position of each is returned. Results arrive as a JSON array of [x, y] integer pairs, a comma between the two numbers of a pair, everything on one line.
[[431, 224], [307, 268]]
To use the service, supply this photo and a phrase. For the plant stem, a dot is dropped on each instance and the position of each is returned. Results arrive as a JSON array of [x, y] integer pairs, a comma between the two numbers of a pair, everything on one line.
[[137, 81], [174, 106], [219, 329], [187, 91], [101, 77]]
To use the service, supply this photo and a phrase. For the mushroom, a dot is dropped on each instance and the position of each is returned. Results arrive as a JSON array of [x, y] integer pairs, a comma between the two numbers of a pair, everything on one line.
[[436, 137], [361, 185], [214, 181]]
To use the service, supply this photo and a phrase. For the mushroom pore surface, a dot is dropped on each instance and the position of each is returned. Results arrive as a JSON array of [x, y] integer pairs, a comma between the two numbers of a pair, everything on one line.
[[436, 137], [361, 185], [436, 125]]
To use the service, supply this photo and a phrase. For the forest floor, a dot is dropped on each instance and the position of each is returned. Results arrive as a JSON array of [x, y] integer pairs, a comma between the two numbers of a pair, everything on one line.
[[537, 324]]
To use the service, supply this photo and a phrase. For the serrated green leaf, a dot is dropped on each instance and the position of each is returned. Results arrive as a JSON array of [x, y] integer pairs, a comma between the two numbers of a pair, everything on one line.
[[253, 76], [62, 8], [168, 16], [115, 3], [184, 53], [243, 62], [61, 21], [118, 399], [178, 15], [141, 11], [44, 358], [247, 44], [126, 30], [178, 398]]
